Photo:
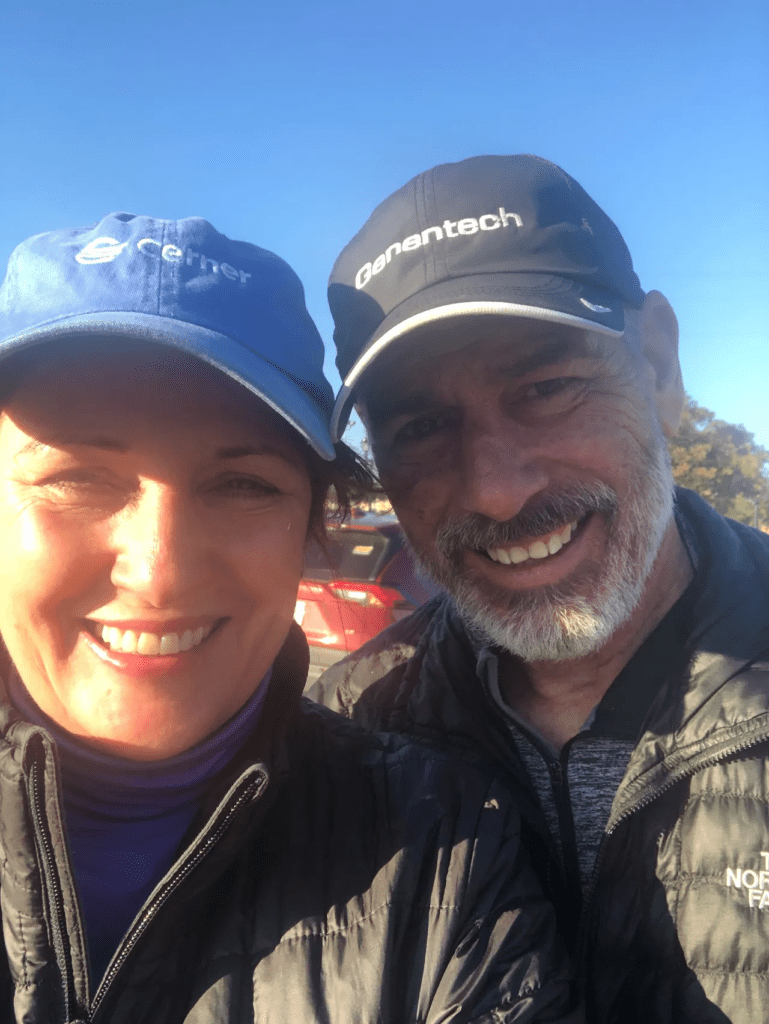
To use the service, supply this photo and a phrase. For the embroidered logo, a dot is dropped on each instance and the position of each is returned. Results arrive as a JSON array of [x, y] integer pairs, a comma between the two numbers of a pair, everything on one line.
[[755, 883], [436, 233], [105, 250], [100, 250]]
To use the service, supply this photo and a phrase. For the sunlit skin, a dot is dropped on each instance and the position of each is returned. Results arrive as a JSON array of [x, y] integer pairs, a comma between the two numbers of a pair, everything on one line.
[[138, 486], [505, 411]]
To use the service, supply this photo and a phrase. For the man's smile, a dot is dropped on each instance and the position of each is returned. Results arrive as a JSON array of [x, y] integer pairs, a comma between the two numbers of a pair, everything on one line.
[[542, 561], [540, 547]]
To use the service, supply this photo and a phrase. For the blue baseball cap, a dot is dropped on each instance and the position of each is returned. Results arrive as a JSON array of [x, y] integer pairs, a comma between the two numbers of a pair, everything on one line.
[[179, 283]]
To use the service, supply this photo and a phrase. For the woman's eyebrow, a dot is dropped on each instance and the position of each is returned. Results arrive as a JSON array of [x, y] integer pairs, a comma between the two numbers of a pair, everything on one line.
[[242, 450], [35, 446]]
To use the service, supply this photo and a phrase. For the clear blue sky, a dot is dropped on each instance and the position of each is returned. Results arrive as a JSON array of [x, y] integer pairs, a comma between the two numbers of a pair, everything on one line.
[[285, 124]]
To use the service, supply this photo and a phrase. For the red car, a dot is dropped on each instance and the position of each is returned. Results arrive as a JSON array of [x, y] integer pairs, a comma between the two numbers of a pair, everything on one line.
[[365, 580]]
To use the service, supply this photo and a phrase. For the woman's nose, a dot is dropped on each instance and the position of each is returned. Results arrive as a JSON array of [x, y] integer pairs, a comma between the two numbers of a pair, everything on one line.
[[158, 548]]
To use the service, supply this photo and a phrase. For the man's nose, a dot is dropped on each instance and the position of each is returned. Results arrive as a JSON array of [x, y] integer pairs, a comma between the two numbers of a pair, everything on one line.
[[502, 469], [159, 547]]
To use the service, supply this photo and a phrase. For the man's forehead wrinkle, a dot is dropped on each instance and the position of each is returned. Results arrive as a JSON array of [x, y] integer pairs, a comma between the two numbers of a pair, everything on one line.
[[543, 356]]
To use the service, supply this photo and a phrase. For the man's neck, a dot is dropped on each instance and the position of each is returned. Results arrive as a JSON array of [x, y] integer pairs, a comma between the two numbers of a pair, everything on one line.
[[556, 697]]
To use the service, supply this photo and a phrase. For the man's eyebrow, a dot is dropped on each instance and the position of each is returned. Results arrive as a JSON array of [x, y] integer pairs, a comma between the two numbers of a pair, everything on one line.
[[546, 356], [380, 410]]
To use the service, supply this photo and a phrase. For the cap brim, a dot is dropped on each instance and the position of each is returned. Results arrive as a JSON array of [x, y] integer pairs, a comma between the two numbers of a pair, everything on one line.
[[531, 296], [255, 373]]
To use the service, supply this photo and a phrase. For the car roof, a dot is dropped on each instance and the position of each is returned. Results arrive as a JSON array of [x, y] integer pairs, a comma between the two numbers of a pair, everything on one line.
[[386, 523]]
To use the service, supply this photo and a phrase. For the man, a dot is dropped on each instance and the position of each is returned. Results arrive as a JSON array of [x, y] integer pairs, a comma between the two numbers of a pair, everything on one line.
[[604, 639]]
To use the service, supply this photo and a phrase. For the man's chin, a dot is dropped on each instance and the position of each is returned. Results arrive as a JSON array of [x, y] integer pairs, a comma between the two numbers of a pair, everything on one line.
[[564, 634], [545, 623]]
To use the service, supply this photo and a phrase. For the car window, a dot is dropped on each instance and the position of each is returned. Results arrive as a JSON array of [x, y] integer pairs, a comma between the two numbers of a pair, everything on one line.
[[349, 555], [402, 573]]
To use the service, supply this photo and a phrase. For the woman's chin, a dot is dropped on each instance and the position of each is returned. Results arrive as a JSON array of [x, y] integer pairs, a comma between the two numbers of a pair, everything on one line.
[[142, 715]]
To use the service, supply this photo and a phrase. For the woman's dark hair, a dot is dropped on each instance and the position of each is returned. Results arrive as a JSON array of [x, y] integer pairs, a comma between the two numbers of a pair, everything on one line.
[[337, 486]]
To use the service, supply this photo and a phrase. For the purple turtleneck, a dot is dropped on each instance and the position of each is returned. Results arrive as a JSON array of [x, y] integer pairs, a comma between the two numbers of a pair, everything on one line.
[[125, 819]]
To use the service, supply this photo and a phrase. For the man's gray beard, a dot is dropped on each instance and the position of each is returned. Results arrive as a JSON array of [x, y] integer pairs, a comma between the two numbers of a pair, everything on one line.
[[559, 623]]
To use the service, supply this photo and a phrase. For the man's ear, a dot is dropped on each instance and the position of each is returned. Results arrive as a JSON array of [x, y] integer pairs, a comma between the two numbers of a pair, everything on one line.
[[658, 328]]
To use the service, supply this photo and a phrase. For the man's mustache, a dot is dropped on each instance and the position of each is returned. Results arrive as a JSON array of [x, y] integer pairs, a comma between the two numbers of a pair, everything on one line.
[[545, 514]]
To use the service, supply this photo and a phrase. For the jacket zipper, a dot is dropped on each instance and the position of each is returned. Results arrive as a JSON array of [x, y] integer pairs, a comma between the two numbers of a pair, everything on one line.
[[560, 787], [672, 780], [150, 910], [52, 890]]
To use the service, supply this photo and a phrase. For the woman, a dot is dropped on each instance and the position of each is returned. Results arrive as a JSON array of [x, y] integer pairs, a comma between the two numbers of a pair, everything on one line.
[[183, 838]]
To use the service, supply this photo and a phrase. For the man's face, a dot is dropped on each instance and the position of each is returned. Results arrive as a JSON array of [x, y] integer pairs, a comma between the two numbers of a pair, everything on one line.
[[528, 468]]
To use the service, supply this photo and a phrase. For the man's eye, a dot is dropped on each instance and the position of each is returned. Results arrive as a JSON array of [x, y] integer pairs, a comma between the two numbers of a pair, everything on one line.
[[419, 429], [547, 388]]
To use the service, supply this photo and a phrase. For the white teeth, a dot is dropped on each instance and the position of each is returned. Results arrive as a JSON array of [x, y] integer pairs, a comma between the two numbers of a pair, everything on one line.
[[152, 644], [169, 644], [148, 643], [539, 549], [129, 641]]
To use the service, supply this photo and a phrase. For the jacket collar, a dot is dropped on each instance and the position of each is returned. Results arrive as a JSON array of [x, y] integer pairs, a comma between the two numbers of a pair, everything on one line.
[[723, 700]]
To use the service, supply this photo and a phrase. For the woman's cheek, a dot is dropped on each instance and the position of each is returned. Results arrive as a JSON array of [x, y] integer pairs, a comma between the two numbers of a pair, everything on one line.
[[282, 549]]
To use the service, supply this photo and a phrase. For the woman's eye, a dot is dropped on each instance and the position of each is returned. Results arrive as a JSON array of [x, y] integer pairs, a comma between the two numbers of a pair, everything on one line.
[[246, 487], [76, 483]]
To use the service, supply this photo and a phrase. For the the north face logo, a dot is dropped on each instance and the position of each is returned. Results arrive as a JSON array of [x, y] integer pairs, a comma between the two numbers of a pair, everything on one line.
[[754, 882]]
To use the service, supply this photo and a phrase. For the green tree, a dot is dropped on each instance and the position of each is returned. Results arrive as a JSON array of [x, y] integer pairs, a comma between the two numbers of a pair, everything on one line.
[[721, 462]]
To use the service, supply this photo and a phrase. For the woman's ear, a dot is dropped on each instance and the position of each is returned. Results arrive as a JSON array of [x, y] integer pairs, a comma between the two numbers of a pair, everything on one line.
[[658, 328]]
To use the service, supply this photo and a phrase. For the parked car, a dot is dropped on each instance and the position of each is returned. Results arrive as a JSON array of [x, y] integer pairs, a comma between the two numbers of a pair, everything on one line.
[[364, 580]]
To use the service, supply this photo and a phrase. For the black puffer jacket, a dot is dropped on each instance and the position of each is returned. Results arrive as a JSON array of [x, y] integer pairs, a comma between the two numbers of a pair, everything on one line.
[[333, 876], [676, 927]]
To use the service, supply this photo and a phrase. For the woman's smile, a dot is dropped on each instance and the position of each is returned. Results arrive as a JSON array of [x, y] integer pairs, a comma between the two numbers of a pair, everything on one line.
[[142, 649], [152, 639]]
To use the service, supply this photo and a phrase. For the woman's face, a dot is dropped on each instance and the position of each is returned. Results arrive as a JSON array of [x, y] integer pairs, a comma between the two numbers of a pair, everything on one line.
[[144, 492]]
